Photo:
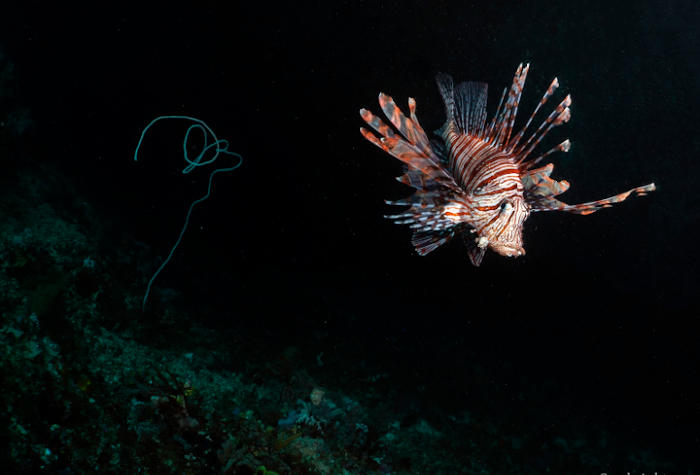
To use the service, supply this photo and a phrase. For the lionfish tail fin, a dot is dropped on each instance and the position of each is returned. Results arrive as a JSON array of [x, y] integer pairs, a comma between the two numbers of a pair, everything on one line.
[[446, 87], [465, 105]]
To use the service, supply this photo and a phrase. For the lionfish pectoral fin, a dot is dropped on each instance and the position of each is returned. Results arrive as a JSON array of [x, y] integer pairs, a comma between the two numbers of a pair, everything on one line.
[[426, 242], [538, 183], [411, 145], [432, 220], [550, 204]]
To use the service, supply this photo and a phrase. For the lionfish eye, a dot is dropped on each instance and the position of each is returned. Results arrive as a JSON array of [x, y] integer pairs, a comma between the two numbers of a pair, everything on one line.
[[505, 205]]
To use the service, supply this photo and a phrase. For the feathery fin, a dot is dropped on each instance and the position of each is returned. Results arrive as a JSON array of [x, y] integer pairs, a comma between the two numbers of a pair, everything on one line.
[[434, 185], [465, 105], [446, 87], [538, 183], [427, 242], [470, 107], [593, 206], [414, 150], [541, 191]]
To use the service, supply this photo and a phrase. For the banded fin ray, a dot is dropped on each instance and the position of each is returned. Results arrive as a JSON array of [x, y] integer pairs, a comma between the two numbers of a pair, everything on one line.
[[434, 185], [505, 122], [499, 131], [412, 146], [426, 242], [548, 203], [538, 183], [424, 220]]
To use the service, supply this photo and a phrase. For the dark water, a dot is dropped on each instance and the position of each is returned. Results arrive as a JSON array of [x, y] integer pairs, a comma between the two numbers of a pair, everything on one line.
[[595, 328]]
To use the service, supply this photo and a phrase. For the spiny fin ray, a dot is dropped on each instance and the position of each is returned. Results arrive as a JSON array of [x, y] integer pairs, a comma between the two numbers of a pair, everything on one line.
[[411, 147]]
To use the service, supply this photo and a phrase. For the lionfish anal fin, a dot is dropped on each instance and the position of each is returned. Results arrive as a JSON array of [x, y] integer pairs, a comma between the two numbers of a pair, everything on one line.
[[475, 252], [476, 255]]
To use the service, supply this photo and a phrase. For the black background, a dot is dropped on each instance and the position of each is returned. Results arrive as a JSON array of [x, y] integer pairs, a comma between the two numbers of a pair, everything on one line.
[[294, 240]]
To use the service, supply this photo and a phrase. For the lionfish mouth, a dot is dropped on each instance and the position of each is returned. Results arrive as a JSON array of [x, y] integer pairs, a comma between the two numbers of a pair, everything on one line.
[[507, 249]]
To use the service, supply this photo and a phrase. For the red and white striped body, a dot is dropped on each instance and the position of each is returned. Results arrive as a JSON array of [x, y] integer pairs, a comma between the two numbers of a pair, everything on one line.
[[494, 204]]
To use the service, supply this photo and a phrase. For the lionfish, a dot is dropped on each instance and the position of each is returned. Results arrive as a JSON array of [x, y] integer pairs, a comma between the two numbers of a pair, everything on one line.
[[478, 181]]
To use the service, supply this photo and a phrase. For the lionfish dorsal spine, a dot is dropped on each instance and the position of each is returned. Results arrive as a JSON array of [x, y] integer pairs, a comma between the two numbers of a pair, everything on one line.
[[560, 115], [511, 107], [496, 115], [465, 107], [550, 90]]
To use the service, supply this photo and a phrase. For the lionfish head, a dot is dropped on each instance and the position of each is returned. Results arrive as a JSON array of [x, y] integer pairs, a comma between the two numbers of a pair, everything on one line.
[[503, 232]]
